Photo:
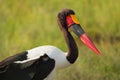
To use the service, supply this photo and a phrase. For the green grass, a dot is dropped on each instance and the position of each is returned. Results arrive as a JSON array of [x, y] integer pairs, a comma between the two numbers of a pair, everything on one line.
[[25, 24]]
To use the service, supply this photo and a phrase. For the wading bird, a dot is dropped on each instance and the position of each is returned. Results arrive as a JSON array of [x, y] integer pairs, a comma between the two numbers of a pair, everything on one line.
[[41, 63]]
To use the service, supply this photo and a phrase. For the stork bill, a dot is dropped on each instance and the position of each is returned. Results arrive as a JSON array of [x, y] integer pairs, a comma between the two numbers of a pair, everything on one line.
[[75, 26]]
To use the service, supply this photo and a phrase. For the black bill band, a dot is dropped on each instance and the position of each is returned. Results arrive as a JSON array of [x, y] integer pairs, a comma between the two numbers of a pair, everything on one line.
[[77, 29]]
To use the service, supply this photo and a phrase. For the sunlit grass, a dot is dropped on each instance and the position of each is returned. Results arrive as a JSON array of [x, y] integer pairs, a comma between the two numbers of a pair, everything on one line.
[[26, 24]]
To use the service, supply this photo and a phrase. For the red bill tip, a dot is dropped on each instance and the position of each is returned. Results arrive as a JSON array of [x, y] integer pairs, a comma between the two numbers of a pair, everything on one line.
[[86, 40]]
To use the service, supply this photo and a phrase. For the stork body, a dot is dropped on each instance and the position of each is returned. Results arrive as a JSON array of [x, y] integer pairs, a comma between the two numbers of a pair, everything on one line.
[[41, 63]]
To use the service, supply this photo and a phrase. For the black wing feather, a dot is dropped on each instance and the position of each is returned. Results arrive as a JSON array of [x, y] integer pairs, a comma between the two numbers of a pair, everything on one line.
[[43, 67], [18, 57], [36, 69]]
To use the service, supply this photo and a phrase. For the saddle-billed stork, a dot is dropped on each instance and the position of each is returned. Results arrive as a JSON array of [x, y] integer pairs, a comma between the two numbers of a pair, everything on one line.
[[41, 63]]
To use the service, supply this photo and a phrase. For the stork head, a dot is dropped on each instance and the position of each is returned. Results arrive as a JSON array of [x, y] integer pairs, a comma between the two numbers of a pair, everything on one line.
[[68, 21]]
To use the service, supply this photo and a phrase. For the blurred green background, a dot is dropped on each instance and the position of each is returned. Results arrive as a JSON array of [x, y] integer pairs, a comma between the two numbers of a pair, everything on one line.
[[25, 24]]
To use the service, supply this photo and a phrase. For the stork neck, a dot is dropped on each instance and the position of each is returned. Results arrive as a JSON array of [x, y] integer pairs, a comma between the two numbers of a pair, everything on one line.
[[72, 47]]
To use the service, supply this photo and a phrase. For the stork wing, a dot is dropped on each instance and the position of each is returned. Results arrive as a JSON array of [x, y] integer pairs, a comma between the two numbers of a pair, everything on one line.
[[44, 67], [36, 69], [18, 57]]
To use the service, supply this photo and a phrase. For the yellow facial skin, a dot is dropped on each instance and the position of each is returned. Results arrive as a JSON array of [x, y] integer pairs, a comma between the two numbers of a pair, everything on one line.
[[75, 20]]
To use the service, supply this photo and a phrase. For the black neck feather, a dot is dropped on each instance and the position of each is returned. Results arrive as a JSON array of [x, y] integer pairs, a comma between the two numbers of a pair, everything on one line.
[[72, 47]]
